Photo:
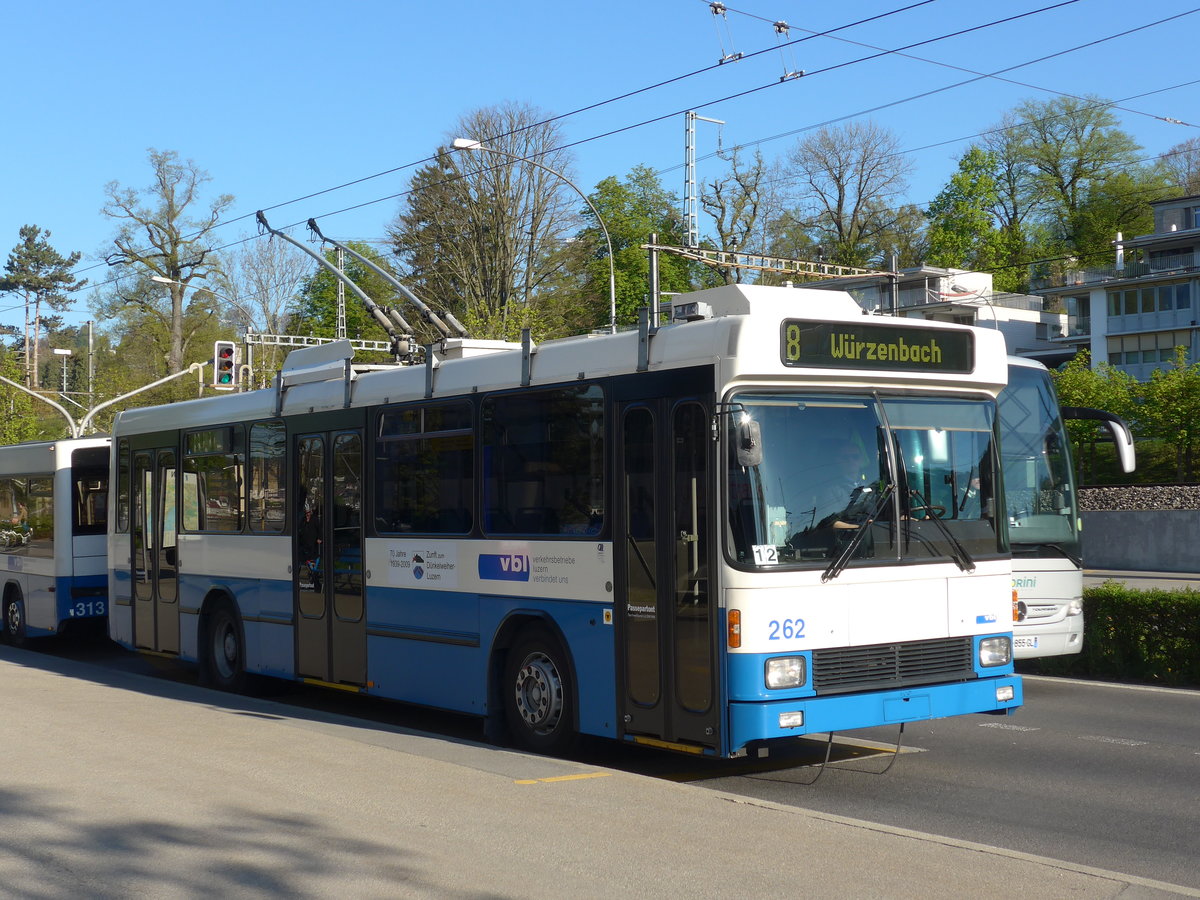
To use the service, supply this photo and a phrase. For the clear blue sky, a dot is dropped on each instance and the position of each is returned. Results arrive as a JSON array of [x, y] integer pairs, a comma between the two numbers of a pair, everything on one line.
[[280, 100]]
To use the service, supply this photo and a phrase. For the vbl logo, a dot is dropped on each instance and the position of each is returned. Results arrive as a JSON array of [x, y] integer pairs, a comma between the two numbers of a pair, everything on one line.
[[504, 566]]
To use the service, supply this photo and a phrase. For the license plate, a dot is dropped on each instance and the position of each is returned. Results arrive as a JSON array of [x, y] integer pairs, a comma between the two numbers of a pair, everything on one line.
[[1025, 643]]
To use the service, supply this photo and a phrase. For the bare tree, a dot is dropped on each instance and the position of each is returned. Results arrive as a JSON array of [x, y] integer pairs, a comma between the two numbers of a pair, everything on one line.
[[260, 280], [165, 231], [848, 179], [741, 204], [483, 233], [1182, 165]]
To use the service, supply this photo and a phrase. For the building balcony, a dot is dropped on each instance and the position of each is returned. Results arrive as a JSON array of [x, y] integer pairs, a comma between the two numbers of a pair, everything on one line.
[[1165, 265]]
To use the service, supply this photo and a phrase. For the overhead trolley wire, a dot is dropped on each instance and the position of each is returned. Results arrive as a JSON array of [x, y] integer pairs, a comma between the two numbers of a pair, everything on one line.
[[579, 110], [735, 96]]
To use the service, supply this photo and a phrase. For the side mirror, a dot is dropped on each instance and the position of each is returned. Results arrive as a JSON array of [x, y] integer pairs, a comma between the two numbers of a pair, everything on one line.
[[749, 443]]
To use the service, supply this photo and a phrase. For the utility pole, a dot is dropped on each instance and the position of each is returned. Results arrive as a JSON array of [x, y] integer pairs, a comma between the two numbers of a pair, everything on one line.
[[690, 203]]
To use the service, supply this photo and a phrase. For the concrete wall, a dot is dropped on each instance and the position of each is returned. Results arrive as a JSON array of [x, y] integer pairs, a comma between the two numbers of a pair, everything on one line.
[[1146, 540]]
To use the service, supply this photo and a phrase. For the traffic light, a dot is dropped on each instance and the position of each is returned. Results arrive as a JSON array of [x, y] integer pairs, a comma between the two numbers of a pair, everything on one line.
[[225, 374]]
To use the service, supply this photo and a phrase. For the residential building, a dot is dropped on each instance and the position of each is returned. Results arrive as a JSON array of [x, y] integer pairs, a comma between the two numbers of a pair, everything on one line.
[[1134, 313], [1031, 325]]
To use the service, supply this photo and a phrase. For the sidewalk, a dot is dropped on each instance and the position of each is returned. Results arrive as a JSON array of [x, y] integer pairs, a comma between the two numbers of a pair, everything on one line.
[[118, 785]]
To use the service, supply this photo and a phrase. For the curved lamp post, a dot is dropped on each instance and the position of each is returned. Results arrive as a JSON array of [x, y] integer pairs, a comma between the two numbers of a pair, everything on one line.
[[469, 144]]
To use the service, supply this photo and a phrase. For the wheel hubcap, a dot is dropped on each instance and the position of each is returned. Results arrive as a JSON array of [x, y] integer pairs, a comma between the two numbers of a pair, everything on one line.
[[539, 693], [14, 618], [226, 646]]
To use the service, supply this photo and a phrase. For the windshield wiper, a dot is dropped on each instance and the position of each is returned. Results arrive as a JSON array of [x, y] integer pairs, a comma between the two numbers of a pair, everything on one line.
[[959, 553], [836, 567]]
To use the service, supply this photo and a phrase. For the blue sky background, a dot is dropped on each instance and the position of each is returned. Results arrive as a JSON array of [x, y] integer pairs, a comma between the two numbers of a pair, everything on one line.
[[281, 100]]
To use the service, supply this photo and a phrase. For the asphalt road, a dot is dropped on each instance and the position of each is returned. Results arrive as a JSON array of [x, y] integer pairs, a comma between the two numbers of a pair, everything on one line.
[[1098, 774]]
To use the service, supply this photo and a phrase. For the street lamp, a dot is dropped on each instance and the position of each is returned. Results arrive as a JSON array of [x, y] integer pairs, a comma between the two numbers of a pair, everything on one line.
[[469, 144]]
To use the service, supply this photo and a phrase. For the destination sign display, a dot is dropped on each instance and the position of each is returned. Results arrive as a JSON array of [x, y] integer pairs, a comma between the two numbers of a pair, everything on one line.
[[850, 345]]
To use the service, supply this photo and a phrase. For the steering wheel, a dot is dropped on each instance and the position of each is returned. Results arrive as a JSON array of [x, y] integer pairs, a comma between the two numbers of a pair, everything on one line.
[[932, 510]]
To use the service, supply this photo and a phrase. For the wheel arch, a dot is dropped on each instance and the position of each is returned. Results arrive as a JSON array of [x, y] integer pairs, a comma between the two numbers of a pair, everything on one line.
[[516, 623]]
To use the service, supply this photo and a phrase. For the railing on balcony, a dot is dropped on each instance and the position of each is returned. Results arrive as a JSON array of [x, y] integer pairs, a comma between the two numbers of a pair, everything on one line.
[[1168, 264]]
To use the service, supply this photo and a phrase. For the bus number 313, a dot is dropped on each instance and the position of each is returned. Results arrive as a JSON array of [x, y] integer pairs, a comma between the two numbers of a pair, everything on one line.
[[786, 629]]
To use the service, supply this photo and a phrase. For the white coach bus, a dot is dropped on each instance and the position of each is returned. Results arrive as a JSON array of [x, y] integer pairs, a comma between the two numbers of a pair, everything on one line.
[[1045, 528]]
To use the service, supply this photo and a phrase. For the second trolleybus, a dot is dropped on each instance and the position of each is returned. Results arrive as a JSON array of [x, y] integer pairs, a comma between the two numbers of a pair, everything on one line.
[[53, 509], [768, 518]]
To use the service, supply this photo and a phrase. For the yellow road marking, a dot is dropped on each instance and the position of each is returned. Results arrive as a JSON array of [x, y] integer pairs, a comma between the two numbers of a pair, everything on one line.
[[562, 778]]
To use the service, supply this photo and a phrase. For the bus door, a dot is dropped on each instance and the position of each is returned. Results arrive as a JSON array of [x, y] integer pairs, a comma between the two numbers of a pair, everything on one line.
[[155, 559], [327, 563], [665, 614]]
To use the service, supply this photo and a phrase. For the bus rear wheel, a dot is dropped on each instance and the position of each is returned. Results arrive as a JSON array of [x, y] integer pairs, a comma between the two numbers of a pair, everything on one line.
[[538, 696], [14, 620], [225, 662]]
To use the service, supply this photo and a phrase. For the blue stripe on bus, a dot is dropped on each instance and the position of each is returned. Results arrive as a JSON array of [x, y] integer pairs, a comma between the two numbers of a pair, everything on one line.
[[754, 721], [412, 633], [401, 668]]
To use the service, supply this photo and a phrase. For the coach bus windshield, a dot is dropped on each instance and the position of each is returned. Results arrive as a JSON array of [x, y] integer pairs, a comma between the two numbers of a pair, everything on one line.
[[889, 479], [1038, 484]]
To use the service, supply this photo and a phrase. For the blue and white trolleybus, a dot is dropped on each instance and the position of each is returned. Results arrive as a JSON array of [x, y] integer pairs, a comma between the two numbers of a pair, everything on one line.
[[53, 507], [769, 518]]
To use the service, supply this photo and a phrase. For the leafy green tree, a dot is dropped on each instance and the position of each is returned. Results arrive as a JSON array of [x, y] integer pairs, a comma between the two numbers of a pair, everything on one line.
[[1103, 387], [140, 321], [962, 233], [1170, 410], [19, 421], [1120, 202], [314, 310], [41, 277], [165, 231], [633, 209], [1072, 145]]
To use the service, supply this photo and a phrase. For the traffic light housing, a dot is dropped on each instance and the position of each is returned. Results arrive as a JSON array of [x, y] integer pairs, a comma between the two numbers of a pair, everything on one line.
[[225, 368]]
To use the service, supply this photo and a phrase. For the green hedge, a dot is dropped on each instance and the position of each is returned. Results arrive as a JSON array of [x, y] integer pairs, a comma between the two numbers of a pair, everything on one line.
[[1145, 636]]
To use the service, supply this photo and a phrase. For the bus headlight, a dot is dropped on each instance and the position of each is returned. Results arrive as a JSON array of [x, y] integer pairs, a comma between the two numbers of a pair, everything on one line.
[[786, 672], [995, 651], [1075, 607]]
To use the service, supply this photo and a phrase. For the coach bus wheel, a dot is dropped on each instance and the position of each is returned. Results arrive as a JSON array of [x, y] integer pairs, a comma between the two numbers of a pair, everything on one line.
[[537, 694], [226, 662]]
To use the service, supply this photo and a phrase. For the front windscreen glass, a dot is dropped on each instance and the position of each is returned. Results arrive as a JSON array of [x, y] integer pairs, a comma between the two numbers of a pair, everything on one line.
[[1038, 483], [836, 474]]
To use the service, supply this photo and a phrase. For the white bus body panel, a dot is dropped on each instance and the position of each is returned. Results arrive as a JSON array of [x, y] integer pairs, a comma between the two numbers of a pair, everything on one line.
[[1047, 587]]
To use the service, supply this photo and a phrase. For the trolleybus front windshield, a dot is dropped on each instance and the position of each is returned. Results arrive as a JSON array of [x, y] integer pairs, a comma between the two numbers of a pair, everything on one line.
[[1038, 482], [897, 478]]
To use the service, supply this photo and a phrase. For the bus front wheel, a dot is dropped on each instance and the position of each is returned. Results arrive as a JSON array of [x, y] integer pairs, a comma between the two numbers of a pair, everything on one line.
[[538, 699]]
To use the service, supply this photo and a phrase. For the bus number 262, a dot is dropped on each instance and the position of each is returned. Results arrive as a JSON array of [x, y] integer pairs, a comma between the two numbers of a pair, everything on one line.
[[786, 629]]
